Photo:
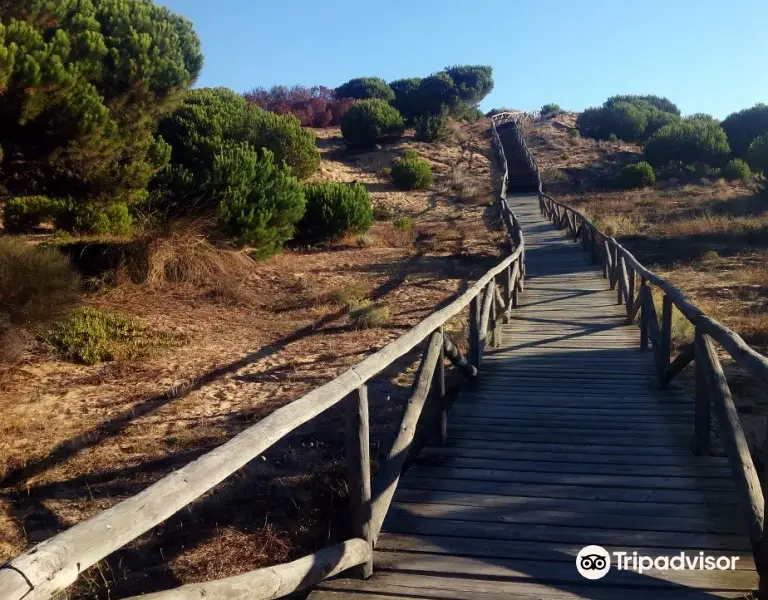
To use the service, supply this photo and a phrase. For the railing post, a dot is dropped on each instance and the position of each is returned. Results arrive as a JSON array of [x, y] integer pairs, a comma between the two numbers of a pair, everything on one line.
[[438, 388], [359, 473], [665, 345], [614, 271], [702, 400], [619, 278], [643, 316], [631, 289], [594, 251], [474, 333], [507, 293]]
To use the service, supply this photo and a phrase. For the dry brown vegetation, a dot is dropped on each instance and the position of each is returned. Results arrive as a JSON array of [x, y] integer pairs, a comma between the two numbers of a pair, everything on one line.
[[76, 439], [710, 238]]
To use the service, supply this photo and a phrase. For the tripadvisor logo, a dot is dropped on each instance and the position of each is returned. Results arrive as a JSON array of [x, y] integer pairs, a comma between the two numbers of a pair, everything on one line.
[[594, 562]]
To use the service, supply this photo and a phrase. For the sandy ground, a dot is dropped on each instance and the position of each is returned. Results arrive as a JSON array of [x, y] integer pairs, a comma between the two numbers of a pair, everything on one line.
[[76, 439]]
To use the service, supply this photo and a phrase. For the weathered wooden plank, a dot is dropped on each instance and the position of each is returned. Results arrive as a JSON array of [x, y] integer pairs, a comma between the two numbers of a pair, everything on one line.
[[555, 552], [436, 564], [715, 516], [393, 585], [571, 533], [542, 466], [690, 483]]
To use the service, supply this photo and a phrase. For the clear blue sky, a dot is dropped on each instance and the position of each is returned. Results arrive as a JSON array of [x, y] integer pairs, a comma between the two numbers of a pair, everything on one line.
[[705, 55]]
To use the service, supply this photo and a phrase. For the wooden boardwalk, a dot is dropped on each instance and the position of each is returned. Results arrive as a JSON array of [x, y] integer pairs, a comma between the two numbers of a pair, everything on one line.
[[564, 442]]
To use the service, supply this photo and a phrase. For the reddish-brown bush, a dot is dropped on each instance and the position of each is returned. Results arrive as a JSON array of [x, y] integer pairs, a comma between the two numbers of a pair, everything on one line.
[[314, 107]]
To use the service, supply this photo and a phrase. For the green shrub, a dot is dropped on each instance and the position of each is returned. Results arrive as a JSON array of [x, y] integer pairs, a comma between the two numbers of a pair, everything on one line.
[[261, 202], [744, 126], [334, 209], [83, 84], [613, 138], [411, 173], [432, 128], [405, 223], [757, 155], [368, 121], [94, 218], [91, 336], [736, 169], [548, 109], [638, 175], [36, 284], [366, 88], [287, 139], [688, 142], [24, 213], [574, 133]]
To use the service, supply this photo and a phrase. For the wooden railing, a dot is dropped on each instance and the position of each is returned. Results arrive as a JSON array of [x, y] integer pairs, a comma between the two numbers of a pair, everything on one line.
[[53, 565], [622, 270]]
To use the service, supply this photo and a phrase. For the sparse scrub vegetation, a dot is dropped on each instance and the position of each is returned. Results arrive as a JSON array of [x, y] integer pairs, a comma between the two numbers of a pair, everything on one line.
[[411, 173], [91, 336], [334, 209], [550, 109], [405, 223]]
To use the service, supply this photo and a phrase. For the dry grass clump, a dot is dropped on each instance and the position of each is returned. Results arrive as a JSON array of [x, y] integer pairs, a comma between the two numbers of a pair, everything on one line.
[[37, 285], [367, 315], [349, 295], [188, 256], [616, 225]]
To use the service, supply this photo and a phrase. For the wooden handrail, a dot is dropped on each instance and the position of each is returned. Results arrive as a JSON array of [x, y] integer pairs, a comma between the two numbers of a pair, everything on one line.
[[51, 566]]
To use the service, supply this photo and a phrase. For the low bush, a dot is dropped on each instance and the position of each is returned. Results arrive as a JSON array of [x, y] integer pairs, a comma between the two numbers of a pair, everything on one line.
[[736, 170], [349, 295], [368, 121], [638, 175], [549, 109], [91, 336], [629, 118], [574, 133], [411, 173], [36, 284], [688, 142], [24, 213], [432, 128], [261, 202], [366, 88], [334, 209]]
